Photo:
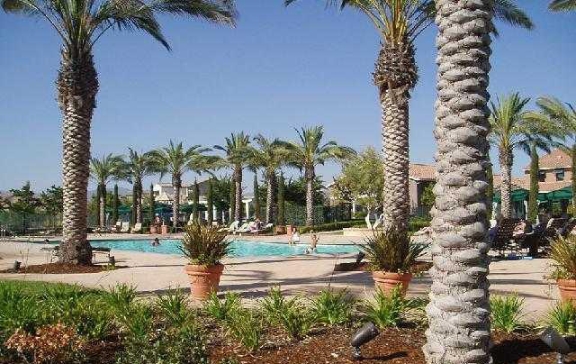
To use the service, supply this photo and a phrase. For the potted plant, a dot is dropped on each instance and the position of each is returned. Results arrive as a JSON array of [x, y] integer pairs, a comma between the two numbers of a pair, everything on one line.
[[563, 255], [392, 258], [204, 246]]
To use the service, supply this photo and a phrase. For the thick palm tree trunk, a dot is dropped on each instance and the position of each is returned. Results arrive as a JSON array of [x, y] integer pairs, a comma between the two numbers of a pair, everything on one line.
[[102, 205], [271, 179], [574, 176], [506, 160], [309, 174], [459, 310], [177, 184], [395, 127], [77, 88], [238, 192]]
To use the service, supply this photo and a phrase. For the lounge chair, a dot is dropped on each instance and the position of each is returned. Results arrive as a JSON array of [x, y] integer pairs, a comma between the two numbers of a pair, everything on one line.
[[232, 228], [504, 233], [125, 227], [117, 227], [137, 228], [262, 229], [245, 228]]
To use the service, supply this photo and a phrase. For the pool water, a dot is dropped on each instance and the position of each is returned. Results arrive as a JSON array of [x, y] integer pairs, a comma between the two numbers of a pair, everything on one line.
[[240, 248]]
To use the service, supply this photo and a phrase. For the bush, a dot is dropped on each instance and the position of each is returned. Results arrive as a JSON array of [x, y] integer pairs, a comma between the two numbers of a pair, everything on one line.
[[563, 253], [291, 314], [562, 317], [391, 251], [415, 224], [389, 310], [173, 307], [222, 310], [333, 308], [506, 313], [204, 245], [120, 297], [247, 328]]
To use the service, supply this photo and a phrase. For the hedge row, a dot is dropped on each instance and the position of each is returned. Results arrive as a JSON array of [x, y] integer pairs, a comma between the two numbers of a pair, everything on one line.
[[414, 225]]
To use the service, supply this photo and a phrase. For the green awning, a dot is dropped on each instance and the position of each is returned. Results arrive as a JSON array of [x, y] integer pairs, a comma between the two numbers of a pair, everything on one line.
[[558, 195], [515, 196]]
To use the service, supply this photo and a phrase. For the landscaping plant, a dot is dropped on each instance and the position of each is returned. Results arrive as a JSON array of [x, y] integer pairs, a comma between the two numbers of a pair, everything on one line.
[[389, 309], [290, 314], [391, 251], [204, 245], [333, 308], [563, 253], [246, 326], [173, 306], [222, 309], [506, 313], [562, 317]]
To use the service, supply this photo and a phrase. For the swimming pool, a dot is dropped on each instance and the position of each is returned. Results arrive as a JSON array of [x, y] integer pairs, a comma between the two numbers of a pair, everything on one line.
[[240, 248]]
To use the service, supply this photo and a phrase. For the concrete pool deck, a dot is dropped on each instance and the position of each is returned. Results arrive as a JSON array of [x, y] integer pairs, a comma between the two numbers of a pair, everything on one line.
[[154, 273]]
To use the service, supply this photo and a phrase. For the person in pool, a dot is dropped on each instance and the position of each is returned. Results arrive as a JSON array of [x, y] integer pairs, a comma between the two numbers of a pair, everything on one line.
[[313, 244], [155, 242]]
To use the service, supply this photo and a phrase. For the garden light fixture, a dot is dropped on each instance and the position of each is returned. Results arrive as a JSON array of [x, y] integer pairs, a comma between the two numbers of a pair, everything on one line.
[[556, 342], [366, 334]]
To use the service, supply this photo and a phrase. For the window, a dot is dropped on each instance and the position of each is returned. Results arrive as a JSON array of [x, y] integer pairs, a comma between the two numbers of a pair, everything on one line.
[[541, 176], [559, 174]]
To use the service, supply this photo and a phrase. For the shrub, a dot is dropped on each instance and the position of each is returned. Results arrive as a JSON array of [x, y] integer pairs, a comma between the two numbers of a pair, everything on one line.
[[391, 251], [506, 313], [290, 314], [183, 345], [563, 253], [204, 245], [247, 328], [333, 308], [172, 306], [223, 309], [51, 344], [137, 322], [18, 310], [120, 297], [389, 310], [562, 317], [273, 303]]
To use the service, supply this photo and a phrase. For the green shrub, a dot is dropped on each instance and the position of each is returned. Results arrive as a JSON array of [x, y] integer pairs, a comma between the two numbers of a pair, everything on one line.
[[506, 313], [247, 328], [222, 309], [562, 317], [93, 319], [389, 310], [290, 314], [563, 253], [333, 308], [184, 345], [120, 297], [204, 244], [391, 251], [415, 224], [273, 303], [137, 321], [18, 310], [173, 308]]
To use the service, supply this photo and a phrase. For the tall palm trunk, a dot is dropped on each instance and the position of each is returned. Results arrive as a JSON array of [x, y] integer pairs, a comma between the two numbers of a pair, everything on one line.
[[77, 88], [533, 195], [238, 192], [310, 175], [459, 310], [271, 178], [396, 161], [395, 75], [506, 160], [102, 205], [574, 176], [138, 202], [209, 203], [177, 184]]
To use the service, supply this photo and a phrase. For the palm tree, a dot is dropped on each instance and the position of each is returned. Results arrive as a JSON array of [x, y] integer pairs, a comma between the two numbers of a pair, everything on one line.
[[307, 153], [175, 160], [399, 22], [563, 5], [508, 127], [103, 170], [554, 112], [137, 167], [80, 24], [238, 154], [459, 309], [269, 155]]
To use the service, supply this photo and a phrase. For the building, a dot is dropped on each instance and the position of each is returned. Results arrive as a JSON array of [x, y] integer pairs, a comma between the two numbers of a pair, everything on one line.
[[420, 176]]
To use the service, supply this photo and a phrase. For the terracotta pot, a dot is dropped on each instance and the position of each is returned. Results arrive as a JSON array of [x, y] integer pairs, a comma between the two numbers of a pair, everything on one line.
[[567, 288], [204, 279], [387, 281]]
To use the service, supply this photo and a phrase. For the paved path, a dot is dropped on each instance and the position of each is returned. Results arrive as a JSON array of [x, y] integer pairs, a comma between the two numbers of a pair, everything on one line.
[[252, 277]]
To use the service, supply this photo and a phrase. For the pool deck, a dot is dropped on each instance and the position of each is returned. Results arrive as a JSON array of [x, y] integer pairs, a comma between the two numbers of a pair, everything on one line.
[[154, 273]]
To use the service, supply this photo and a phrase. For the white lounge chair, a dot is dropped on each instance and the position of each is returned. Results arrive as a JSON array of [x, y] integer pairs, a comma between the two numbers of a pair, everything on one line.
[[263, 228], [125, 227], [232, 228], [137, 228]]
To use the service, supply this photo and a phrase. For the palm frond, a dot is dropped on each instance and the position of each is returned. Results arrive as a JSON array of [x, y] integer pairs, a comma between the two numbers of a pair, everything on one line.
[[562, 5]]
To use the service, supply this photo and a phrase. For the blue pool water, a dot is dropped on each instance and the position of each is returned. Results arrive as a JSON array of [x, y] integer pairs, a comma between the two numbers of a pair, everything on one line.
[[240, 248]]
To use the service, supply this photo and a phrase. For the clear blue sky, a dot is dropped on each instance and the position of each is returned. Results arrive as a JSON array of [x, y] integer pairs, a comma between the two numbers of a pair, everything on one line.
[[278, 69]]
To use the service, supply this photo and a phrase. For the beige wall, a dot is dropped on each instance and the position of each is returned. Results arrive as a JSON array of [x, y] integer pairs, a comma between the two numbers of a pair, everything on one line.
[[551, 175]]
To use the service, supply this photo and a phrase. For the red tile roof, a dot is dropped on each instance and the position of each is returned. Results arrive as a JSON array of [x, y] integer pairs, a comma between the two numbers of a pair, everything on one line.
[[554, 160], [422, 172]]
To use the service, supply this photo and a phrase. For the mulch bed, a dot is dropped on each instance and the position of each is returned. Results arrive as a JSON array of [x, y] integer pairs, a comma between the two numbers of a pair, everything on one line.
[[61, 268], [403, 346]]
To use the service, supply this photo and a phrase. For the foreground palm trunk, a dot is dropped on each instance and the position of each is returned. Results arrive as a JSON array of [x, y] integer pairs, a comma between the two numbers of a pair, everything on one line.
[[506, 186], [459, 311], [77, 88]]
